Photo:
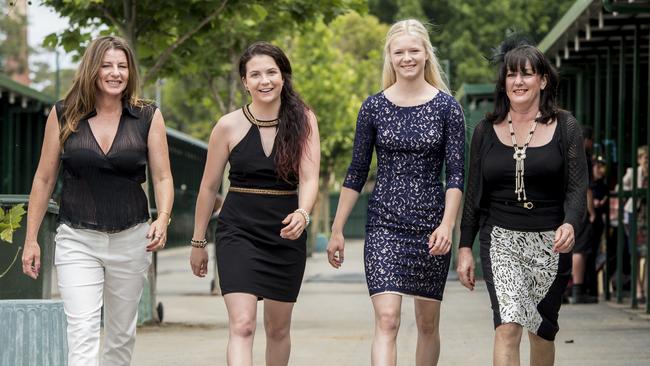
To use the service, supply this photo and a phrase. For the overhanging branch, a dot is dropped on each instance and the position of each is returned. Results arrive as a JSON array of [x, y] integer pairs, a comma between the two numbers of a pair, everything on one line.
[[151, 73]]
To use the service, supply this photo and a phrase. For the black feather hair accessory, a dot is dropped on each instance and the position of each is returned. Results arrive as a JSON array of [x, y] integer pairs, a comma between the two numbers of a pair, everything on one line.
[[512, 41]]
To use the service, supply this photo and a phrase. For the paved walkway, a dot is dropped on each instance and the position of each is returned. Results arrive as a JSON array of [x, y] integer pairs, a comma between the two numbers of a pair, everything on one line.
[[333, 323]]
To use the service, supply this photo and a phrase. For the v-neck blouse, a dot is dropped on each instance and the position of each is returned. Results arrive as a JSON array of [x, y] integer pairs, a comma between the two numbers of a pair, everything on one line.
[[102, 191]]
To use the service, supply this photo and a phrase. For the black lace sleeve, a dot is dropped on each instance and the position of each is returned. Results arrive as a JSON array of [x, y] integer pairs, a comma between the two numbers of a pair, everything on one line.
[[575, 201], [471, 210]]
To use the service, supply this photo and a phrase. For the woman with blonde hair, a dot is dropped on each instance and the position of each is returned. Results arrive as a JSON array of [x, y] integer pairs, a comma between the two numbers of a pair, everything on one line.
[[105, 137], [414, 125]]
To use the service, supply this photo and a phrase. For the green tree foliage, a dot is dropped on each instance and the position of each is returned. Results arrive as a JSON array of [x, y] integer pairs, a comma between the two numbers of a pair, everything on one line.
[[410, 9], [188, 108], [194, 45], [465, 31], [44, 79], [336, 66], [178, 36]]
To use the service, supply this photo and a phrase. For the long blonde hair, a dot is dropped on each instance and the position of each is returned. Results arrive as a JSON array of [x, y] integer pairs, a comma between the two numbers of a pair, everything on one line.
[[80, 99], [432, 70]]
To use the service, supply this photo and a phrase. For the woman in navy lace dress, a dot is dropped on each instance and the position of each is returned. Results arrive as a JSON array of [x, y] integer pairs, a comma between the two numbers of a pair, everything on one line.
[[415, 127]]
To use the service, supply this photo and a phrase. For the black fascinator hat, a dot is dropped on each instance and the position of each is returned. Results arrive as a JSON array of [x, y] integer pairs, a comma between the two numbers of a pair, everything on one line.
[[514, 40]]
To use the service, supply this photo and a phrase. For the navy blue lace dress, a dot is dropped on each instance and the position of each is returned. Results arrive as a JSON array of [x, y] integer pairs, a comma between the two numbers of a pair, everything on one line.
[[408, 200]]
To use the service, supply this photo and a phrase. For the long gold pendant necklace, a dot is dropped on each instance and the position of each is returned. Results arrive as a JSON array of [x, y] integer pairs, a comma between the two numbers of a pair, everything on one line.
[[520, 157]]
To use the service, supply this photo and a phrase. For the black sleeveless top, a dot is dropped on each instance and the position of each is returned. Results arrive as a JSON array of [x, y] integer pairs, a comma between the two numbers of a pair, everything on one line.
[[103, 191], [251, 168]]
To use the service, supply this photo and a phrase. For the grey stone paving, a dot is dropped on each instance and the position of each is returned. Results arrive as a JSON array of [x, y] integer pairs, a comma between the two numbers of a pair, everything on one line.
[[333, 323]]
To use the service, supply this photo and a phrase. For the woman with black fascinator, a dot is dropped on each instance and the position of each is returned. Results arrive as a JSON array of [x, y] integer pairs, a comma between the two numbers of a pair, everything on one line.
[[525, 198]]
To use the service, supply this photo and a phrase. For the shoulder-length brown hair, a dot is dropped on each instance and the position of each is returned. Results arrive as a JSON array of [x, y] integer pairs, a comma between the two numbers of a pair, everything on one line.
[[80, 99], [514, 57]]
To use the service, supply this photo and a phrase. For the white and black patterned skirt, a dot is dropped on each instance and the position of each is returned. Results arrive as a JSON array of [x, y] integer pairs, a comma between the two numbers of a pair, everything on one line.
[[525, 279]]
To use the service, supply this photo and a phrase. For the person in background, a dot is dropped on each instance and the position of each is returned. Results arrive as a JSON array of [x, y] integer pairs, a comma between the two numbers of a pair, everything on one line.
[[584, 267], [600, 193], [641, 211]]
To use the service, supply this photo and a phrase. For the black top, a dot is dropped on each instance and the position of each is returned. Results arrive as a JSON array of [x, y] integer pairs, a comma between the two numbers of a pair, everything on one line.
[[251, 168], [574, 176], [544, 187], [103, 191]]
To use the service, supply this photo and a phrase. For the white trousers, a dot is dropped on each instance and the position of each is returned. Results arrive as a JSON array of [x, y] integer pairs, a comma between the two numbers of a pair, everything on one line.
[[95, 269]]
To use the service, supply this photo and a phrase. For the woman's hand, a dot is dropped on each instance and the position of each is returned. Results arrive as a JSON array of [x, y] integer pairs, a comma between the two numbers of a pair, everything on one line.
[[465, 268], [335, 249], [199, 261], [32, 259], [295, 225], [440, 240], [564, 239], [157, 234]]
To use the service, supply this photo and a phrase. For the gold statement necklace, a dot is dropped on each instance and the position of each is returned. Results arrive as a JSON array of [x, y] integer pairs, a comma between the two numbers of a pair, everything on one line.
[[258, 122], [520, 157]]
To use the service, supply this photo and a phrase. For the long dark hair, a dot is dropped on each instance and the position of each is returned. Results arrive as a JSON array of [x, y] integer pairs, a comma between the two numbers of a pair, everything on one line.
[[293, 129], [512, 55]]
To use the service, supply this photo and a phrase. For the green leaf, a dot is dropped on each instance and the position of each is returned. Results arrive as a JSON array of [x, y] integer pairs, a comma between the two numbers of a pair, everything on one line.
[[10, 221], [16, 214], [260, 11], [51, 41], [7, 235]]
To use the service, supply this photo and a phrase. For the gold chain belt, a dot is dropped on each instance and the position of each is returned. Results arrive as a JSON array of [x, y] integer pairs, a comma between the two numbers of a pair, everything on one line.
[[270, 192]]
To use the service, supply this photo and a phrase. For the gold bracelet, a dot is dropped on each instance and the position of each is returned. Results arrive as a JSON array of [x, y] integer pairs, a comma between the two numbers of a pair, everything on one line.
[[169, 216], [304, 214], [199, 243]]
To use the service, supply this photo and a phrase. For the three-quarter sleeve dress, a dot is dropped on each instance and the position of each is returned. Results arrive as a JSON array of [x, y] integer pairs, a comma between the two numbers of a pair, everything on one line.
[[407, 204]]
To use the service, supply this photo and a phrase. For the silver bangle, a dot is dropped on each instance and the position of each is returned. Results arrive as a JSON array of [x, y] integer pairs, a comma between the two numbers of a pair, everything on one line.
[[305, 215]]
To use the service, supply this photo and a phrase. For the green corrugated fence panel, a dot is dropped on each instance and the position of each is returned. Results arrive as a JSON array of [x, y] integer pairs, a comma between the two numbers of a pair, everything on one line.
[[355, 228], [145, 307], [32, 333]]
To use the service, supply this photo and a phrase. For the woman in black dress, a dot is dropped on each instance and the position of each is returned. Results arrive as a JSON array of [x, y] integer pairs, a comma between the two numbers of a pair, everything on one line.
[[273, 148], [525, 197]]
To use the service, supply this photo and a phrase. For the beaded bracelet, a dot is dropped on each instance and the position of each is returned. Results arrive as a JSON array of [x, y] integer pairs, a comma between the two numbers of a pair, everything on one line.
[[199, 243], [305, 215]]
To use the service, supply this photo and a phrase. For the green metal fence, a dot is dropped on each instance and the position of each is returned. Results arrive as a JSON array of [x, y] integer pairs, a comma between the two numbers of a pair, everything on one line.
[[601, 49], [355, 228], [187, 157], [476, 100]]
